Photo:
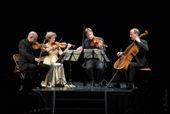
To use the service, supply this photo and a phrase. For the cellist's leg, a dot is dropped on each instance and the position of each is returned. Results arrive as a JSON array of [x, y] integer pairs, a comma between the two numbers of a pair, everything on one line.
[[131, 74]]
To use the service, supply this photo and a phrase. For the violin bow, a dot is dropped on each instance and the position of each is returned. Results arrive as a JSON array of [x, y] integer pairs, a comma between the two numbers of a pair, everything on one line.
[[83, 34], [41, 51]]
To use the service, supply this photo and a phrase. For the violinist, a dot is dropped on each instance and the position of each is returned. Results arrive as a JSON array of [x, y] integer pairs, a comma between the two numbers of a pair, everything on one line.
[[56, 75], [139, 60], [28, 61], [94, 68]]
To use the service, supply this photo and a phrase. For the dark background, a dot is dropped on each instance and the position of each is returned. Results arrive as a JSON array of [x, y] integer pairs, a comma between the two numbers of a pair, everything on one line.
[[111, 21]]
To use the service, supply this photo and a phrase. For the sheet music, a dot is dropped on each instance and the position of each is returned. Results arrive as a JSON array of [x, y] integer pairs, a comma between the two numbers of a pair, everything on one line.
[[72, 55], [96, 54]]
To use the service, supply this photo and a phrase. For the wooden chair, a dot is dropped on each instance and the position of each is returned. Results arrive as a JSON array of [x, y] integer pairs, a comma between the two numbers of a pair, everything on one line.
[[17, 69]]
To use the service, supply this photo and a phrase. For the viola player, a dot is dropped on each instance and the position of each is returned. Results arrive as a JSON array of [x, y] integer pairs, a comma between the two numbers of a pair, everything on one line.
[[94, 68]]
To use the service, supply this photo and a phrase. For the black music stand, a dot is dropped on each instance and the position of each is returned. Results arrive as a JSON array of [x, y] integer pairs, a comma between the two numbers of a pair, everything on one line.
[[96, 54], [71, 55]]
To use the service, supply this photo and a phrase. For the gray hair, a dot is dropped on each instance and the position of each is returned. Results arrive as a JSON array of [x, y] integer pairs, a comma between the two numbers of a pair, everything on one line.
[[88, 30]]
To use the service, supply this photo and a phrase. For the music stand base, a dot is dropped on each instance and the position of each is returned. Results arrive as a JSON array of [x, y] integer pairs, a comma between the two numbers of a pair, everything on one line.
[[112, 78], [104, 82]]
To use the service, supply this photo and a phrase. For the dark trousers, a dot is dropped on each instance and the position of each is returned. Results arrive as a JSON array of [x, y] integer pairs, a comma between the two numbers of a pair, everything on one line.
[[35, 73], [132, 68], [94, 70]]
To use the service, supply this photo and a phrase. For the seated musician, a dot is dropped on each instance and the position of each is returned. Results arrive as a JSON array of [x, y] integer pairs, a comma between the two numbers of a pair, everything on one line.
[[94, 68], [56, 75], [137, 52], [30, 62]]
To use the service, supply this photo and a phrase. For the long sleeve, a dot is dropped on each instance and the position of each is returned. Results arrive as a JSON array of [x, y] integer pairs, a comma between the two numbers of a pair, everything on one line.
[[25, 51], [144, 45], [141, 56]]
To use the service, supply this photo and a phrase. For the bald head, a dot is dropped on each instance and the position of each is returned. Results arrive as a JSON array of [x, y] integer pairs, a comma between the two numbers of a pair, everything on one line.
[[135, 31], [32, 36]]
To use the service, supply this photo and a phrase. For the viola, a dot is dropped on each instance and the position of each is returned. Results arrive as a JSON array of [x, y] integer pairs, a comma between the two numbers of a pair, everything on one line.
[[97, 42]]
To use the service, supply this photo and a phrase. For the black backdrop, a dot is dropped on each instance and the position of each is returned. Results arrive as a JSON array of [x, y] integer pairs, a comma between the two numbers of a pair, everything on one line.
[[110, 21]]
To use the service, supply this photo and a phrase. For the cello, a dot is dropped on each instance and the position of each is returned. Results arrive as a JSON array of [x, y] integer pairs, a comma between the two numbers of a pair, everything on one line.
[[125, 59]]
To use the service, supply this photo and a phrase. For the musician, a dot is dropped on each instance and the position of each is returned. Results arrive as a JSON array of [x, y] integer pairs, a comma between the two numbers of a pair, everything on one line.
[[139, 60], [56, 75], [30, 62], [94, 68]]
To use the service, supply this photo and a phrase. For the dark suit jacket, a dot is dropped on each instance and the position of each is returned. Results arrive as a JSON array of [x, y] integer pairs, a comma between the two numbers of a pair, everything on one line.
[[141, 55], [27, 53]]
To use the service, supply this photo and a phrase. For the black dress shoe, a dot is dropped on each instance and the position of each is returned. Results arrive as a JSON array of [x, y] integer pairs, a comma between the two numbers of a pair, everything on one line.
[[84, 83], [93, 84], [117, 85], [129, 86], [114, 86]]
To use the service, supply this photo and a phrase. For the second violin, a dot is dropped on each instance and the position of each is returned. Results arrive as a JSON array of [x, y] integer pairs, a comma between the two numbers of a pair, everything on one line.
[[62, 44]]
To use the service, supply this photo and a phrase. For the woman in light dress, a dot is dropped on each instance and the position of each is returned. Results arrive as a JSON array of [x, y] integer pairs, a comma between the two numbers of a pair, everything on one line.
[[55, 75]]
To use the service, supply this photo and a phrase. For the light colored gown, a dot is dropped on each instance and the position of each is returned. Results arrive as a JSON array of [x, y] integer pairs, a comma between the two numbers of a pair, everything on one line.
[[55, 75]]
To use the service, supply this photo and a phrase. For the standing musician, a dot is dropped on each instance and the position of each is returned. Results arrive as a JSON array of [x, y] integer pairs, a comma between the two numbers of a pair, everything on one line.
[[30, 62], [93, 66], [134, 57]]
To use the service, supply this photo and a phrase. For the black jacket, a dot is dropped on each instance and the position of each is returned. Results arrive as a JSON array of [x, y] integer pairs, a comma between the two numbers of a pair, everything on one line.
[[27, 53], [141, 55]]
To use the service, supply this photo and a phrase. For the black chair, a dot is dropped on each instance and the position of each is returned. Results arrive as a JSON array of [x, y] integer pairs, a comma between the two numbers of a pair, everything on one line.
[[142, 77]]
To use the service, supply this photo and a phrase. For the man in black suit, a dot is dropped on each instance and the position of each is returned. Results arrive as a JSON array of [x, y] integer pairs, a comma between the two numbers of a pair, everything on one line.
[[30, 62], [139, 59]]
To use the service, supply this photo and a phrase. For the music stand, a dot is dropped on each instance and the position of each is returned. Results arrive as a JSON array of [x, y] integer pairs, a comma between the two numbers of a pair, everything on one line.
[[71, 55], [96, 54]]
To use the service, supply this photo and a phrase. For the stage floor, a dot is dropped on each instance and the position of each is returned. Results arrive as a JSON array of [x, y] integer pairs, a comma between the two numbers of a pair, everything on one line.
[[81, 88], [89, 99]]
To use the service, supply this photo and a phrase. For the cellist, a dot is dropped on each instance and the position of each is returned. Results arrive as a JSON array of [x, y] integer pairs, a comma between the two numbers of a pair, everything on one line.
[[139, 58]]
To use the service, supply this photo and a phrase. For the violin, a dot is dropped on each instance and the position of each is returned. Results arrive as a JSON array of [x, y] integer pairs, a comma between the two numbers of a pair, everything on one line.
[[97, 42], [37, 45], [61, 44]]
